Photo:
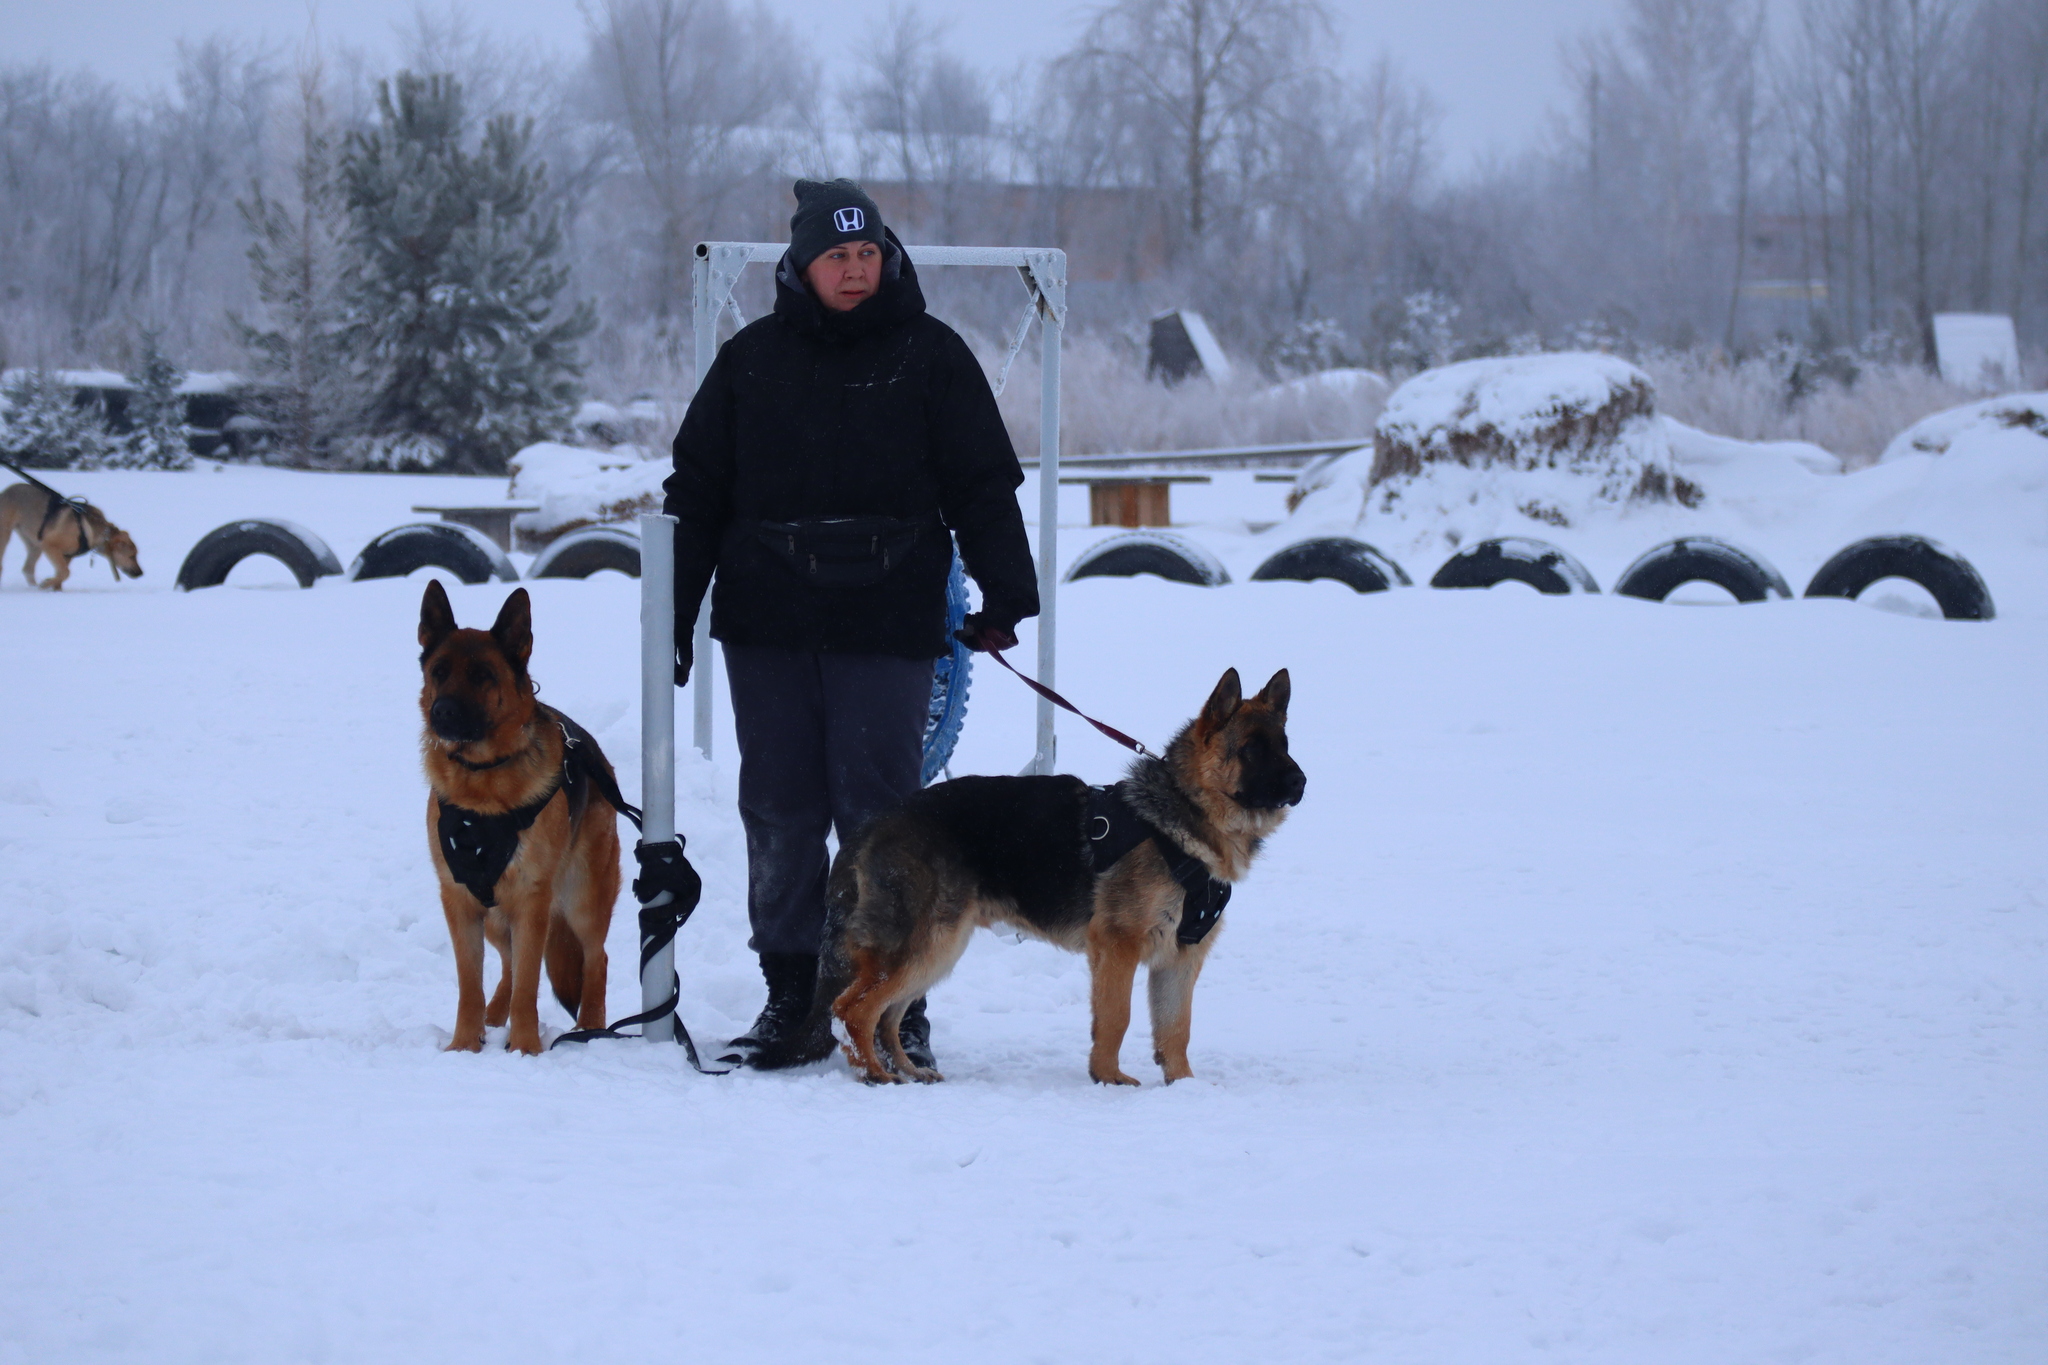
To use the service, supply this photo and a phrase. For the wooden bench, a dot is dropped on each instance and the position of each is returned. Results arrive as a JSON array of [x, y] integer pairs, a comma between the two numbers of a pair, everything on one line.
[[1132, 500]]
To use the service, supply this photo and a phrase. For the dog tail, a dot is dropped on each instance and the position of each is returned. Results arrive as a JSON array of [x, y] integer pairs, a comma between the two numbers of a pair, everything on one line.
[[814, 1041], [564, 958]]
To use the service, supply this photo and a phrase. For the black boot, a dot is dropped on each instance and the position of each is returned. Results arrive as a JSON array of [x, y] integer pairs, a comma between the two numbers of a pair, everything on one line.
[[914, 1031], [792, 977]]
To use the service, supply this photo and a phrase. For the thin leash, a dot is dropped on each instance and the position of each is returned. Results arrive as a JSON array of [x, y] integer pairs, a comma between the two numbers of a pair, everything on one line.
[[1057, 700], [58, 502]]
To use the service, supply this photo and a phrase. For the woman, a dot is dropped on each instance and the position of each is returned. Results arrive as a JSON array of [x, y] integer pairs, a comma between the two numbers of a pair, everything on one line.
[[833, 454]]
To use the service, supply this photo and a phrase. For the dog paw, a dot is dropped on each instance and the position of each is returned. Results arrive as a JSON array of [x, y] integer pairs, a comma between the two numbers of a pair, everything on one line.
[[880, 1078], [925, 1075], [462, 1044], [528, 1043], [1113, 1078]]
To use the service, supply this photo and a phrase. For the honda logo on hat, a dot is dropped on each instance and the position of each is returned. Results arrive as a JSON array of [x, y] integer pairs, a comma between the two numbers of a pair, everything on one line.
[[849, 220]]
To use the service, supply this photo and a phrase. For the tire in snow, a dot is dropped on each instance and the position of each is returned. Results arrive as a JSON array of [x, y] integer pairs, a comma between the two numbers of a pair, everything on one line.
[[467, 553], [1954, 582], [950, 677], [583, 553], [290, 544], [1153, 552], [1353, 563], [1538, 563], [1701, 559]]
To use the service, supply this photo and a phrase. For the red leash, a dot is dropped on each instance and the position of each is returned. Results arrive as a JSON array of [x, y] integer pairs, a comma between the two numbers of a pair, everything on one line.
[[1057, 700]]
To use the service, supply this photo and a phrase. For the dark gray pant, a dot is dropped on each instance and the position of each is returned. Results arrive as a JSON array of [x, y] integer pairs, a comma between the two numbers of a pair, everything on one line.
[[826, 741]]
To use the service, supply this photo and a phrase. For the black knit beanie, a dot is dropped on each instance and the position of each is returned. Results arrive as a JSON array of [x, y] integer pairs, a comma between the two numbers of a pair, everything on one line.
[[829, 212]]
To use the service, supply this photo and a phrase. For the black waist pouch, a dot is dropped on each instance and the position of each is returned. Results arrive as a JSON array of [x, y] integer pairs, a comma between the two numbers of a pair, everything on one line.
[[845, 552]]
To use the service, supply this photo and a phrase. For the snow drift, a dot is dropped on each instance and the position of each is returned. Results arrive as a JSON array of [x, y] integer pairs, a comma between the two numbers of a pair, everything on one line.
[[577, 487], [1935, 434]]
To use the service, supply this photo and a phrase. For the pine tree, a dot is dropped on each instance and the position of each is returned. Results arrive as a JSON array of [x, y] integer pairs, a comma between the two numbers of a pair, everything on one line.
[[43, 425], [156, 436], [308, 391], [452, 296]]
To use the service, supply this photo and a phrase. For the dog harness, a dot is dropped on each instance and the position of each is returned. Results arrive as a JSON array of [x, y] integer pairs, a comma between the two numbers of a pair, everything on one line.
[[479, 847], [1114, 829]]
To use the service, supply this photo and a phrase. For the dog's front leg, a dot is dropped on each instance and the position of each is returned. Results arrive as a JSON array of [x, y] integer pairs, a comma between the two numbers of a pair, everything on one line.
[[528, 915], [28, 566], [466, 932], [1112, 970], [1170, 990]]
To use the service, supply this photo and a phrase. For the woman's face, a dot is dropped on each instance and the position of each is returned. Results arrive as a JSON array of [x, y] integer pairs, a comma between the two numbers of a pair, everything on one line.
[[846, 275]]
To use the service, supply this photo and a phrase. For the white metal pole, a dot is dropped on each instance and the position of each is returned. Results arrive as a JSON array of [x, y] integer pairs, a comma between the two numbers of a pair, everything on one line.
[[1046, 761], [658, 736], [704, 314]]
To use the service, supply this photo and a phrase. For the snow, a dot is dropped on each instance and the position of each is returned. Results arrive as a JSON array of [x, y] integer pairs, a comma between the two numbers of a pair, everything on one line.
[[1636, 983], [1933, 434], [576, 486], [1977, 350]]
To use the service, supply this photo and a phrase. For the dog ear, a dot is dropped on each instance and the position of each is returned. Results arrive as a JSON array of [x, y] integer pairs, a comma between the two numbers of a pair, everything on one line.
[[437, 618], [1222, 703], [513, 630], [1276, 692]]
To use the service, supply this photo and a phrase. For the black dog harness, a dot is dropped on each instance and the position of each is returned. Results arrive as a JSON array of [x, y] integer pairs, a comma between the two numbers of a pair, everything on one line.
[[479, 847], [1114, 829]]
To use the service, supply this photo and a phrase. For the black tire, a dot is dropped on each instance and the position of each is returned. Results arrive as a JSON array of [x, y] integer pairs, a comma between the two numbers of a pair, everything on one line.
[[1701, 559], [1953, 580], [1153, 552], [219, 550], [467, 553], [583, 553], [1538, 563], [1353, 563]]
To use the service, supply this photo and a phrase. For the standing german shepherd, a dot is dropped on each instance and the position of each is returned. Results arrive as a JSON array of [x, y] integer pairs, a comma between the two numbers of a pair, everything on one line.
[[525, 838], [1135, 873]]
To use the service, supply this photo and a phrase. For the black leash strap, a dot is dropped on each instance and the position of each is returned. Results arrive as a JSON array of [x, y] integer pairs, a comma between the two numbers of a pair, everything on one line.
[[668, 889], [56, 507], [1057, 700]]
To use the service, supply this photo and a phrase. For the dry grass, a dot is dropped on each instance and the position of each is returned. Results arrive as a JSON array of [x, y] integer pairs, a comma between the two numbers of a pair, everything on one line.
[[1749, 401]]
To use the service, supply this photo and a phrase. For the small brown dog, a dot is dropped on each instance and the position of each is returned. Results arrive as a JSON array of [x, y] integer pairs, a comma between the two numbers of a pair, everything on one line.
[[62, 529], [1135, 874], [525, 840]]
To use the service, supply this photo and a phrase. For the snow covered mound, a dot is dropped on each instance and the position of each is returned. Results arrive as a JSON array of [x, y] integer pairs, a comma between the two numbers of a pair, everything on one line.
[[1934, 435], [576, 487], [1589, 416]]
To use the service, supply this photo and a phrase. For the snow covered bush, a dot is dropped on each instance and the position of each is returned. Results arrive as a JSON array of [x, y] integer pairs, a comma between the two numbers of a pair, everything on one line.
[[576, 487], [43, 425], [1934, 435], [1589, 415]]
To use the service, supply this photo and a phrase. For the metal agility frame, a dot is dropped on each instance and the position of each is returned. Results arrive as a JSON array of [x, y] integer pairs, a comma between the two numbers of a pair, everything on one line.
[[715, 272]]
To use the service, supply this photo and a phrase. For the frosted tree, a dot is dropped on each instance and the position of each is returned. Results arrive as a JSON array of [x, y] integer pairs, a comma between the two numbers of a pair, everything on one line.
[[156, 433], [309, 392], [453, 294]]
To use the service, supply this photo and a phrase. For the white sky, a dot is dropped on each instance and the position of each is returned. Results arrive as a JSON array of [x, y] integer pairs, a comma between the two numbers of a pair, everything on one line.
[[1492, 64]]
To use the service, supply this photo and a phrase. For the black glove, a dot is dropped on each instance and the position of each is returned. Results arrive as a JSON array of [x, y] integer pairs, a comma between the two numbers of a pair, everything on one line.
[[981, 633], [682, 661]]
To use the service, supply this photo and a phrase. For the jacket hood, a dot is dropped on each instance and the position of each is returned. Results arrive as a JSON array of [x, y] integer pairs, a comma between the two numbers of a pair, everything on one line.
[[898, 300]]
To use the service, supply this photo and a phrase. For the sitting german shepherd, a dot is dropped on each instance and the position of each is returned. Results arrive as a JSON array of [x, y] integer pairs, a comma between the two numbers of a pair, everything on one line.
[[61, 529], [1130, 874], [523, 822]]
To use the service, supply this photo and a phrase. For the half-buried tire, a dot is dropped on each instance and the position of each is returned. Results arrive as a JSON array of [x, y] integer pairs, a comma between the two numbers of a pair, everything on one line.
[[1153, 552], [583, 553], [1701, 559], [1955, 584], [1538, 563], [467, 553], [1353, 563], [290, 544]]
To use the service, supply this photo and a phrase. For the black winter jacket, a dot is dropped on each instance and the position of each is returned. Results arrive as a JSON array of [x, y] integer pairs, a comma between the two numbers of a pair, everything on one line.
[[877, 412]]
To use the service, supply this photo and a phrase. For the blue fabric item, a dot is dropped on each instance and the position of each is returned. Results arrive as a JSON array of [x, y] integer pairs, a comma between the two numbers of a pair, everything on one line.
[[950, 677]]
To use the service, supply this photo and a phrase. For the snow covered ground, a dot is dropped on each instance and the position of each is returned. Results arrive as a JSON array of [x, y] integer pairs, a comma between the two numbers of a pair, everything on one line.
[[1637, 983]]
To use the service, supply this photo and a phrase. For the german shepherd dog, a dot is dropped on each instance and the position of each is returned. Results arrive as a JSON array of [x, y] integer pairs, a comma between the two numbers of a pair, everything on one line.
[[62, 529], [1039, 855], [524, 839]]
